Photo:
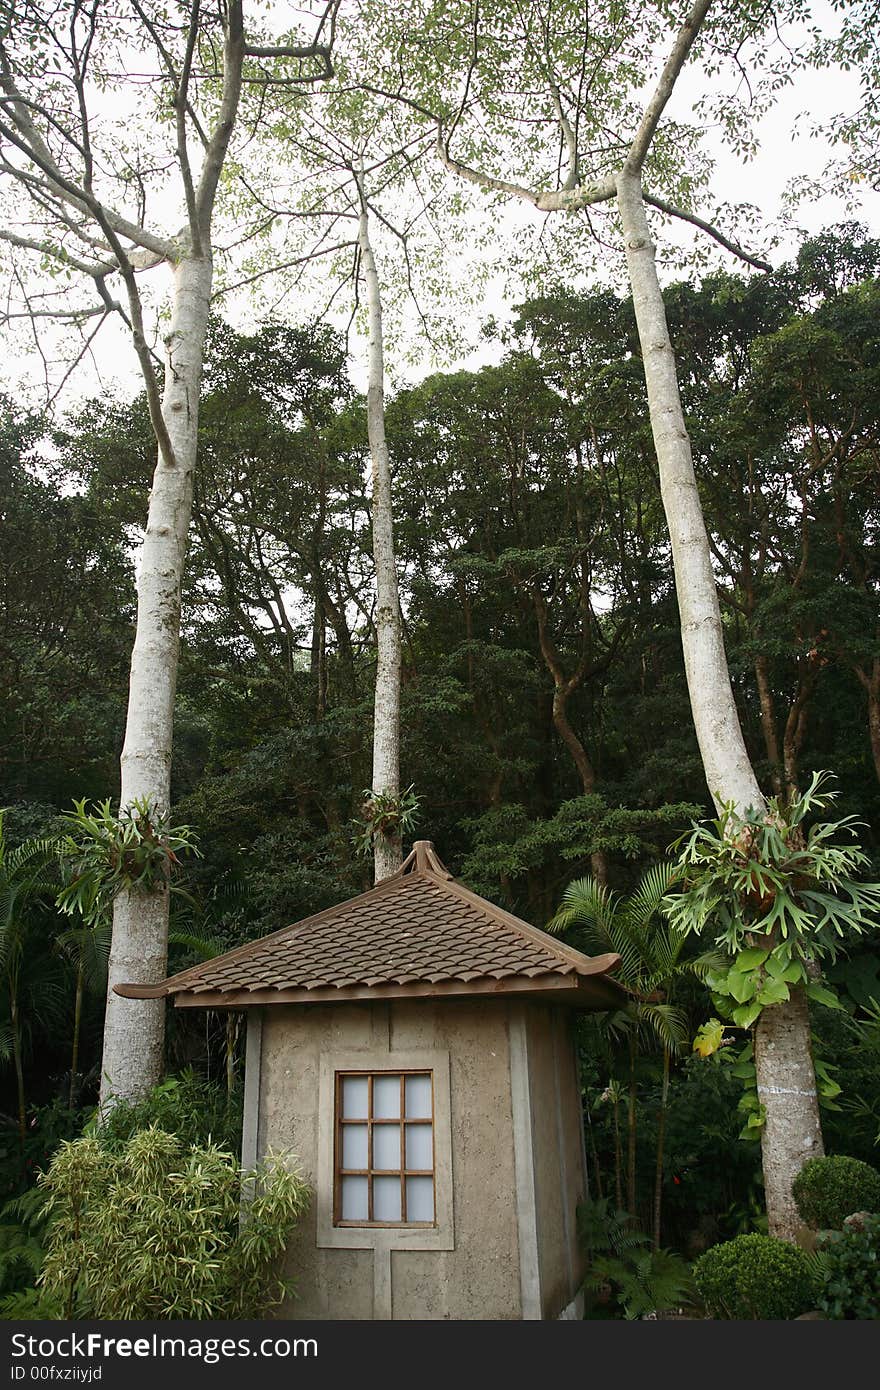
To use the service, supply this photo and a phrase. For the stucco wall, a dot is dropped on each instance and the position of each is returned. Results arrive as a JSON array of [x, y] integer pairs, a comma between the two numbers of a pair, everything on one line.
[[480, 1277], [558, 1154]]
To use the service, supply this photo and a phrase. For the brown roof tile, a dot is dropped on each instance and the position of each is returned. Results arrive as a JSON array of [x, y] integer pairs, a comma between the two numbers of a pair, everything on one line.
[[419, 928]]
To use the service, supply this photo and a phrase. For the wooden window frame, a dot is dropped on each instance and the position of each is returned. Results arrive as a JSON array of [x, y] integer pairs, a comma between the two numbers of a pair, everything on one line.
[[371, 1171], [395, 1235]]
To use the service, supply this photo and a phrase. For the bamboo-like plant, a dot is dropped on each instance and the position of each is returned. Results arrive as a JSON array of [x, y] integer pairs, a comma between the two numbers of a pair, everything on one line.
[[208, 947], [154, 1231], [87, 947]]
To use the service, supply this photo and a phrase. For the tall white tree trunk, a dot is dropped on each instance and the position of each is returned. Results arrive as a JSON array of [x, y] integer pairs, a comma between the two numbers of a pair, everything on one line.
[[134, 1030], [783, 1055], [387, 849], [727, 765]]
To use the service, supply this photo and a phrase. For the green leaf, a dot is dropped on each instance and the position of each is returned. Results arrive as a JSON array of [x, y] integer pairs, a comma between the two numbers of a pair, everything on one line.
[[820, 995], [742, 987], [792, 973], [774, 992], [746, 1014], [709, 1038], [751, 958]]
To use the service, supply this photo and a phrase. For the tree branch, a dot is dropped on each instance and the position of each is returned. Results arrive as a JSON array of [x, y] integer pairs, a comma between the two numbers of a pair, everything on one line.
[[233, 58], [638, 150], [733, 247], [58, 253]]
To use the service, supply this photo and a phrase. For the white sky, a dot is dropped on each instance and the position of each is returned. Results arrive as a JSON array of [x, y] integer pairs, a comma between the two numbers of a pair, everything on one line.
[[781, 154]]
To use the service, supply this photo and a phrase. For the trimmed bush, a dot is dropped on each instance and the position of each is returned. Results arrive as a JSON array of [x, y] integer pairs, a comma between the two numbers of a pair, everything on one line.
[[828, 1190], [756, 1276], [851, 1270]]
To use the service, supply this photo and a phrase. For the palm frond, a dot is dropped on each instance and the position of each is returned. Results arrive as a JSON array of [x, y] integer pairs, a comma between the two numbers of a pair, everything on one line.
[[644, 902], [662, 1022], [206, 947], [587, 905]]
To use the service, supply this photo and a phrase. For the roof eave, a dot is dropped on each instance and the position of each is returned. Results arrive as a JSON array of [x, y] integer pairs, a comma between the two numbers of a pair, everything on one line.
[[592, 992]]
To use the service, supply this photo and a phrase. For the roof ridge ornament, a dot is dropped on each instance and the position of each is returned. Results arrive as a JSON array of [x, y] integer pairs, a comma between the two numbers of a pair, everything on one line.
[[424, 859]]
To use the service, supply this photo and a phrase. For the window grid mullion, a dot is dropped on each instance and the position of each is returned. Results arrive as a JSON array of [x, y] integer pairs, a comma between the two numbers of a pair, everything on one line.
[[401, 1154], [371, 1121], [370, 1147]]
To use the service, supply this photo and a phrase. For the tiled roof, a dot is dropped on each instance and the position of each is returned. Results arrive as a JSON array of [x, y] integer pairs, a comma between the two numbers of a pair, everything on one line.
[[416, 930]]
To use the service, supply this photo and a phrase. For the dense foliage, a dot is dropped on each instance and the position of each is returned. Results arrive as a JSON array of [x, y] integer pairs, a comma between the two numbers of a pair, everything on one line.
[[547, 738], [624, 1273], [153, 1229], [851, 1270]]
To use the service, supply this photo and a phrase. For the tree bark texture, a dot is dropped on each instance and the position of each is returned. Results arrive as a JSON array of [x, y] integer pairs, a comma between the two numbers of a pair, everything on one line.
[[795, 731], [786, 1080], [387, 849], [767, 707], [871, 683], [563, 687], [134, 1029], [728, 769], [792, 1131]]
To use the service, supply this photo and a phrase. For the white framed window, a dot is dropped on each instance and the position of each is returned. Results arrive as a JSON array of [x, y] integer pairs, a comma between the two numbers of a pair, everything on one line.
[[385, 1151]]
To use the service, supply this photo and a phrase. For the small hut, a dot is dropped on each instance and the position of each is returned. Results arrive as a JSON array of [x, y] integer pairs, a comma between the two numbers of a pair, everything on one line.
[[413, 1046]]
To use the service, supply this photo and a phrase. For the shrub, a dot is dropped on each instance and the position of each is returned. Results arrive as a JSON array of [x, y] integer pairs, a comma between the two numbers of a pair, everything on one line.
[[828, 1190], [756, 1276], [199, 1111], [153, 1230], [851, 1270]]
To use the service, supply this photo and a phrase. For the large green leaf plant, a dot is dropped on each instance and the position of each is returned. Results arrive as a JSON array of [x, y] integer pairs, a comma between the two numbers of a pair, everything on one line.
[[777, 890], [778, 896]]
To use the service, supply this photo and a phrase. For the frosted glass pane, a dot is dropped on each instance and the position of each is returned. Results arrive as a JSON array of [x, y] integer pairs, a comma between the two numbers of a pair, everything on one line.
[[420, 1199], [354, 1199], [418, 1098], [386, 1097], [354, 1097], [419, 1148], [354, 1146], [386, 1146], [386, 1199]]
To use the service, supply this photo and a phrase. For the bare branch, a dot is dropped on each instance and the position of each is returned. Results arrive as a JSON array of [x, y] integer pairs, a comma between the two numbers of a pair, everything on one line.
[[733, 247], [568, 136], [181, 105], [480, 179], [85, 349], [322, 52], [58, 253], [284, 265], [233, 58], [56, 183]]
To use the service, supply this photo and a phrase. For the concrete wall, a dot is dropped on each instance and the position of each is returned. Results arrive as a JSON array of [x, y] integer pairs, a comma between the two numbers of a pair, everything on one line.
[[516, 1153], [557, 1136], [480, 1277]]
